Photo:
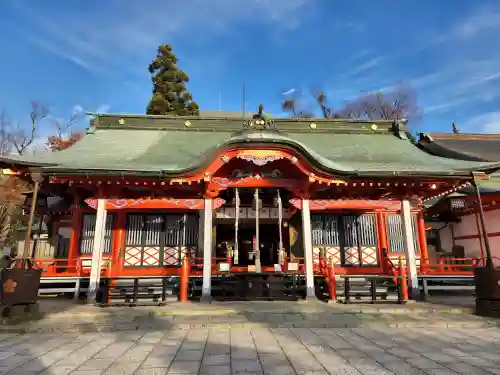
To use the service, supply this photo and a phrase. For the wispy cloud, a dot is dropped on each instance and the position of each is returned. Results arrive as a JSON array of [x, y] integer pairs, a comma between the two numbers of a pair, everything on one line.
[[486, 19], [484, 123], [289, 92], [361, 68], [95, 37], [459, 84], [77, 110], [103, 108]]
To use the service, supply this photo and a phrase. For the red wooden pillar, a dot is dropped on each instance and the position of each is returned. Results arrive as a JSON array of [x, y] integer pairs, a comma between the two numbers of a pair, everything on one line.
[[422, 239], [382, 239], [118, 243], [74, 240]]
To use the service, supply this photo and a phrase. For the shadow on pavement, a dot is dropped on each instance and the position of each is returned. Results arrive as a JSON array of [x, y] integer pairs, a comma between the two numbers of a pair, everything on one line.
[[160, 349]]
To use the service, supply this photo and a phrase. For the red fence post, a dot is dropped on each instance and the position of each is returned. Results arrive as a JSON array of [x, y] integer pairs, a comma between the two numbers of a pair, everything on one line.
[[403, 281], [184, 282], [441, 264], [331, 280]]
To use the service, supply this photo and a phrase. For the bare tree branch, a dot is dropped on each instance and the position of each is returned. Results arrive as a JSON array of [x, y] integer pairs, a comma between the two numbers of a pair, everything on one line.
[[399, 103], [23, 138], [6, 144], [65, 136], [63, 128]]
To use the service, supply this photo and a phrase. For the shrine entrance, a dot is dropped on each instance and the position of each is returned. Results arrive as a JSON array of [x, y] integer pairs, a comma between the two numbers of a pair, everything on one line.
[[269, 243], [252, 236], [252, 229]]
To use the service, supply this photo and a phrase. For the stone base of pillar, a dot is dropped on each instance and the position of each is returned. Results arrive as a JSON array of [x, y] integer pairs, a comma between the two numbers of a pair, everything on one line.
[[90, 300], [311, 294], [311, 299], [206, 299], [414, 294]]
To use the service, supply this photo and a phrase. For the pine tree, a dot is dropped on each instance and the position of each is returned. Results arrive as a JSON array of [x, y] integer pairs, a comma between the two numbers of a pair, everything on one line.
[[170, 96]]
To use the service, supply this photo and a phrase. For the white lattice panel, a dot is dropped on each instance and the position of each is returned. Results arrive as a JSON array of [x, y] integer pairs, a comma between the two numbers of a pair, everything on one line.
[[369, 256], [132, 257], [316, 252], [351, 256], [151, 256], [334, 253], [171, 256]]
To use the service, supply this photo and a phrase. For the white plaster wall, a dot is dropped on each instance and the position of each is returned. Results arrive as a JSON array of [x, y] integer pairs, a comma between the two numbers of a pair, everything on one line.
[[446, 237], [471, 246], [468, 227], [495, 250], [492, 219]]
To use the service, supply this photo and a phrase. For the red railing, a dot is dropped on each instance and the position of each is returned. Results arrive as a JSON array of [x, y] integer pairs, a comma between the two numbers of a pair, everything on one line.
[[63, 268], [455, 266]]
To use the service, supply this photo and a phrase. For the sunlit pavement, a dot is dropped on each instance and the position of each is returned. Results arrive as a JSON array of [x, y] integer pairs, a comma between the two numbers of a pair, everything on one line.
[[274, 351]]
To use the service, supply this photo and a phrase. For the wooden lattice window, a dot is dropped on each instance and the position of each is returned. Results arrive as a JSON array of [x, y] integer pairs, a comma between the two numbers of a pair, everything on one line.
[[351, 239], [88, 232], [395, 233], [155, 240]]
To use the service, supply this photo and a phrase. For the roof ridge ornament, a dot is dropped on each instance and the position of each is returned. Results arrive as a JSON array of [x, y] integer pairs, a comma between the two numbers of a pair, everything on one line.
[[259, 121], [399, 128]]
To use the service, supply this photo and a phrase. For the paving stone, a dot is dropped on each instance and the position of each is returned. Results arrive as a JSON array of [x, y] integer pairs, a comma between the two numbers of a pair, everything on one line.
[[424, 363], [401, 367], [186, 367], [96, 364], [216, 360], [122, 368], [376, 350], [151, 371], [279, 370], [465, 368], [153, 362], [215, 370], [243, 354], [241, 366]]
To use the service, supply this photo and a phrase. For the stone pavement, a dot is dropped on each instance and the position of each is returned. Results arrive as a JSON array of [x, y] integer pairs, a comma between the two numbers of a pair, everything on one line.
[[276, 351], [68, 317]]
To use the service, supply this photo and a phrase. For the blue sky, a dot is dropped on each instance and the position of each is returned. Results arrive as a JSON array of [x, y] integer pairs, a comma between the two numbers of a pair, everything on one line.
[[93, 55]]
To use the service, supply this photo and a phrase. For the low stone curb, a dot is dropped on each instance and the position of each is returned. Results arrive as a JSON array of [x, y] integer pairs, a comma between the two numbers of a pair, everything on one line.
[[182, 311], [185, 326]]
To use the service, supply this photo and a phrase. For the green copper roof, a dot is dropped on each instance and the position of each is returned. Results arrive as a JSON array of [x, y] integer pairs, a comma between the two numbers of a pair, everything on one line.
[[161, 146]]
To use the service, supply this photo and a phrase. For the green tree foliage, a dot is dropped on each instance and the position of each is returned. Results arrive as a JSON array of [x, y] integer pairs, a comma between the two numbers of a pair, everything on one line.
[[170, 96]]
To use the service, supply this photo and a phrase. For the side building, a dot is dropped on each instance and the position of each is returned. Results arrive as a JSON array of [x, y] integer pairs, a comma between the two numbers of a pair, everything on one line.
[[455, 220]]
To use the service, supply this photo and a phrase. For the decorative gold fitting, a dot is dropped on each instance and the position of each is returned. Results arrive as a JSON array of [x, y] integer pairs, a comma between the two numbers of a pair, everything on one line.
[[330, 261]]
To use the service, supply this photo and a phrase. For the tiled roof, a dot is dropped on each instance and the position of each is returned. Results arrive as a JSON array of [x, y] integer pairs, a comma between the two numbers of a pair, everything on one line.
[[162, 146]]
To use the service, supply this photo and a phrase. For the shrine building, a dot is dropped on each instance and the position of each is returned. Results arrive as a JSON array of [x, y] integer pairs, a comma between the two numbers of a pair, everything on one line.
[[252, 193]]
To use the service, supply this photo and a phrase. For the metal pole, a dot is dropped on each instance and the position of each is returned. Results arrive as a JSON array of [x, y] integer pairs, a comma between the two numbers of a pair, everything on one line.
[[236, 223], [35, 242], [36, 179], [489, 258], [280, 228], [258, 267]]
